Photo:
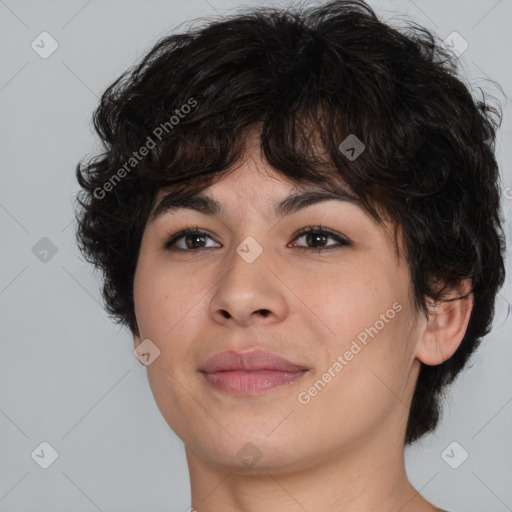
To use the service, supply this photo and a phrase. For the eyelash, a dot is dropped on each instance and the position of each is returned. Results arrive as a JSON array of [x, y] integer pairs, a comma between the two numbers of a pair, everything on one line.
[[304, 231]]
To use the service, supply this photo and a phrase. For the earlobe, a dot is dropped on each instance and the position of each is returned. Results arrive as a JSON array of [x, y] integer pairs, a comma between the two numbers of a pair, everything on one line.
[[446, 326]]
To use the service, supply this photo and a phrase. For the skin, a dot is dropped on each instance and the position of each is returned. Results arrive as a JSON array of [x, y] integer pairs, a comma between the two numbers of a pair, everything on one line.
[[344, 450]]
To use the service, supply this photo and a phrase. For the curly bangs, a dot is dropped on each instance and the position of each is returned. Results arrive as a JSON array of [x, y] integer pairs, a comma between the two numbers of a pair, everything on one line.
[[305, 80]]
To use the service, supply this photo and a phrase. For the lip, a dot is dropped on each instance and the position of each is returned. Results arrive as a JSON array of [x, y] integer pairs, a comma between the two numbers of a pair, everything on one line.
[[250, 372]]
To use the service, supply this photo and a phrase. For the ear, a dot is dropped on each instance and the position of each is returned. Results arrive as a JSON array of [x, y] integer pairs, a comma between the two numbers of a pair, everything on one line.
[[446, 325]]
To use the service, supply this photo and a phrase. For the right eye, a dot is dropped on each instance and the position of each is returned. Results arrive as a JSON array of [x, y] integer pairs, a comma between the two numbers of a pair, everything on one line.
[[193, 239]]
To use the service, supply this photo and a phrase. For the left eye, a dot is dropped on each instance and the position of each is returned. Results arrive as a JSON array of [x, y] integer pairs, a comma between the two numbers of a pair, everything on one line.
[[193, 239], [318, 235]]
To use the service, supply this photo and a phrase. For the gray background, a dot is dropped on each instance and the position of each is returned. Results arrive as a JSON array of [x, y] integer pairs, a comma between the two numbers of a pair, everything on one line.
[[68, 374]]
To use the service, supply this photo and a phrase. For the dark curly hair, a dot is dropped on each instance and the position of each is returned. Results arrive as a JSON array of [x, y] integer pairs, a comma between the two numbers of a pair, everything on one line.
[[306, 79]]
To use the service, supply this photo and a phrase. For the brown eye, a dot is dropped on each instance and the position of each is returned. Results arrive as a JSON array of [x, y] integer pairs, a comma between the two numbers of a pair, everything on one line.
[[316, 239], [187, 240]]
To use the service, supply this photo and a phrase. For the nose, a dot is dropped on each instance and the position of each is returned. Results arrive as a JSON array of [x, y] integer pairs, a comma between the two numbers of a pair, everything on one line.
[[249, 292]]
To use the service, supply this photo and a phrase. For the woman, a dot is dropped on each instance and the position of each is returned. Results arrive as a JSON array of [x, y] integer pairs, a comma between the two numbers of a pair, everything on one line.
[[297, 216]]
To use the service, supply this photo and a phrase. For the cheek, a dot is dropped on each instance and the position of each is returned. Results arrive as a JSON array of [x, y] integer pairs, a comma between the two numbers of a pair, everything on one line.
[[351, 397], [353, 299], [168, 307], [369, 325], [165, 299]]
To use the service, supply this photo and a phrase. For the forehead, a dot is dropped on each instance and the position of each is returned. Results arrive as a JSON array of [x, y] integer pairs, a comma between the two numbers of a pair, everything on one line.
[[276, 204], [252, 182]]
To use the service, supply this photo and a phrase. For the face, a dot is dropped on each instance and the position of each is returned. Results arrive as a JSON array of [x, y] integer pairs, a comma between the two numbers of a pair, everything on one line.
[[336, 303]]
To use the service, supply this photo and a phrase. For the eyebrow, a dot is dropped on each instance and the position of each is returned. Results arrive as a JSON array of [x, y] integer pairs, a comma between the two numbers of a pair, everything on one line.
[[291, 204]]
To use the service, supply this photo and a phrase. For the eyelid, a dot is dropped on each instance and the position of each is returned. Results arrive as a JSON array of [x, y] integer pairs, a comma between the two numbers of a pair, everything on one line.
[[321, 229], [176, 235], [342, 240]]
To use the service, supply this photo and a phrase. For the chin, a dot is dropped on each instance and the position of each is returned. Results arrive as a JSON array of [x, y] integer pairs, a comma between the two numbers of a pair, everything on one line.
[[251, 451]]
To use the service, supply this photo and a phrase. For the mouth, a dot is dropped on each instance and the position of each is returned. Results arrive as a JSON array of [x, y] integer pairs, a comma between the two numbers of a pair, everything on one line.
[[250, 373]]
